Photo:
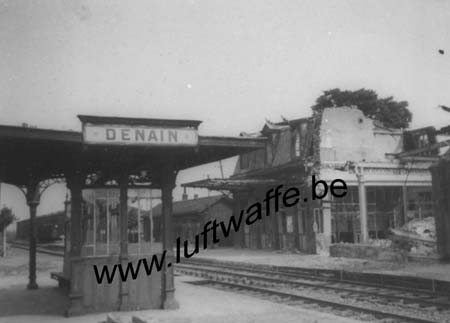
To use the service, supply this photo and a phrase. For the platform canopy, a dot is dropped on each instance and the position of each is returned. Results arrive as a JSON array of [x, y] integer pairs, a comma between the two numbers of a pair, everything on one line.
[[47, 154], [290, 173], [117, 153]]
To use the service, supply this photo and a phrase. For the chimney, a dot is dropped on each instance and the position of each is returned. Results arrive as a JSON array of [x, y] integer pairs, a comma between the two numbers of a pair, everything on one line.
[[184, 197]]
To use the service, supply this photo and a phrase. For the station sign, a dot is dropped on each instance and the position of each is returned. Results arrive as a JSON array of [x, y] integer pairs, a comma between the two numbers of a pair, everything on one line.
[[139, 135]]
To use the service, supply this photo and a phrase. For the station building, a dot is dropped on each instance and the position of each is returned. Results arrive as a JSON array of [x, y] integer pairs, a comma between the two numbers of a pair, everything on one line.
[[190, 215], [386, 187], [49, 227]]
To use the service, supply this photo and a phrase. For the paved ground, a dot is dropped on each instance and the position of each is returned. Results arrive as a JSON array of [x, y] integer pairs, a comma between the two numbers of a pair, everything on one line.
[[197, 304], [428, 270], [15, 299]]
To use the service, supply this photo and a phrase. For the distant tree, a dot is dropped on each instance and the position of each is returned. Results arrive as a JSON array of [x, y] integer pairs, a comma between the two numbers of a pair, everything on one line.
[[6, 218], [393, 114]]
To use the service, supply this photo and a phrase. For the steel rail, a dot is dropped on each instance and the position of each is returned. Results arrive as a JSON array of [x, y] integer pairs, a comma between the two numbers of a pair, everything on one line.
[[252, 275], [309, 274], [376, 313]]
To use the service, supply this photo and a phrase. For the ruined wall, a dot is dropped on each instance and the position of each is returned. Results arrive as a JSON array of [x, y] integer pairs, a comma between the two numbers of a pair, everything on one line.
[[281, 152], [347, 135], [277, 152], [297, 141], [255, 160], [441, 192]]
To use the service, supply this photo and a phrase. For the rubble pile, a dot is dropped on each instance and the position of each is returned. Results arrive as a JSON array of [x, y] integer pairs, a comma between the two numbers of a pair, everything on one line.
[[417, 236], [425, 228]]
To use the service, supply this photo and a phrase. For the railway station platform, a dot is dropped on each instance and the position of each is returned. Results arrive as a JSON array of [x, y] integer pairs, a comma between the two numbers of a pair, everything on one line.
[[197, 303], [430, 270], [433, 270]]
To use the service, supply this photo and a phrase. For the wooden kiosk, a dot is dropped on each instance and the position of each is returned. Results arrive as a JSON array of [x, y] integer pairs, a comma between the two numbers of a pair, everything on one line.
[[115, 170]]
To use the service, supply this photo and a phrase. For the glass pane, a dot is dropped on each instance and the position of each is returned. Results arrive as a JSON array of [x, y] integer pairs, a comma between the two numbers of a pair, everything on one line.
[[100, 222], [141, 232], [100, 227], [87, 222]]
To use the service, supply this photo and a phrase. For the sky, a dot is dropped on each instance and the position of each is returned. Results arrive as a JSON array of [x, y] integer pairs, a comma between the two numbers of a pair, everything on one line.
[[232, 64]]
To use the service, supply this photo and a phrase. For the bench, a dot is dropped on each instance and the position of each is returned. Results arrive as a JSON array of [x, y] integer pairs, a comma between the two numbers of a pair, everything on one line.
[[63, 281]]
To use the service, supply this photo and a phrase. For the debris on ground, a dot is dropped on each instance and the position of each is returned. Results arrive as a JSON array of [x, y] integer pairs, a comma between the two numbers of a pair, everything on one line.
[[417, 236], [384, 243], [425, 227]]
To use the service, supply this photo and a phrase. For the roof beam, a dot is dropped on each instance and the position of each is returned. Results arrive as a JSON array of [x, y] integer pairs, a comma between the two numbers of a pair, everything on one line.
[[420, 159], [421, 130], [423, 150], [245, 142]]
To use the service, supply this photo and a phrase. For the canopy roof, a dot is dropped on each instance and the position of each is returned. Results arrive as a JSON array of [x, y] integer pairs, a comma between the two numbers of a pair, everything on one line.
[[291, 173], [193, 206], [231, 184], [45, 153]]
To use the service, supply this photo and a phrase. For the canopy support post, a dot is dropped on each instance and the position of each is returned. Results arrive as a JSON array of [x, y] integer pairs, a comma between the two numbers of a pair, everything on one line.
[[123, 257], [168, 286], [75, 182], [33, 198]]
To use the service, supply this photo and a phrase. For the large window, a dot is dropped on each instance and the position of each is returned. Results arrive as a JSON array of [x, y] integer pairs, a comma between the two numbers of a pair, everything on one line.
[[419, 203], [101, 221], [345, 217], [140, 221], [384, 210]]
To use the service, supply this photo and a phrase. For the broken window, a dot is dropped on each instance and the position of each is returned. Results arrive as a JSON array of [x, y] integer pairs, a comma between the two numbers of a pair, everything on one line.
[[420, 203], [420, 138]]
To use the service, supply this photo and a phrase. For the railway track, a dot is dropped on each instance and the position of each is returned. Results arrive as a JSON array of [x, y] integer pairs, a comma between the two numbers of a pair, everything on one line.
[[369, 303], [47, 251], [320, 290], [404, 283]]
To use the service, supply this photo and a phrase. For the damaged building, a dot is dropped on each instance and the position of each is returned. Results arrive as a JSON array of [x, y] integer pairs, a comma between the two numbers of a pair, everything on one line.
[[386, 188]]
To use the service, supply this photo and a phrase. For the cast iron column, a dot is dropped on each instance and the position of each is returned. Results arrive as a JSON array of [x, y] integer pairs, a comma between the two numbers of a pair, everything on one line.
[[405, 204], [123, 186], [123, 289], [75, 181], [168, 286], [362, 207], [33, 202]]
